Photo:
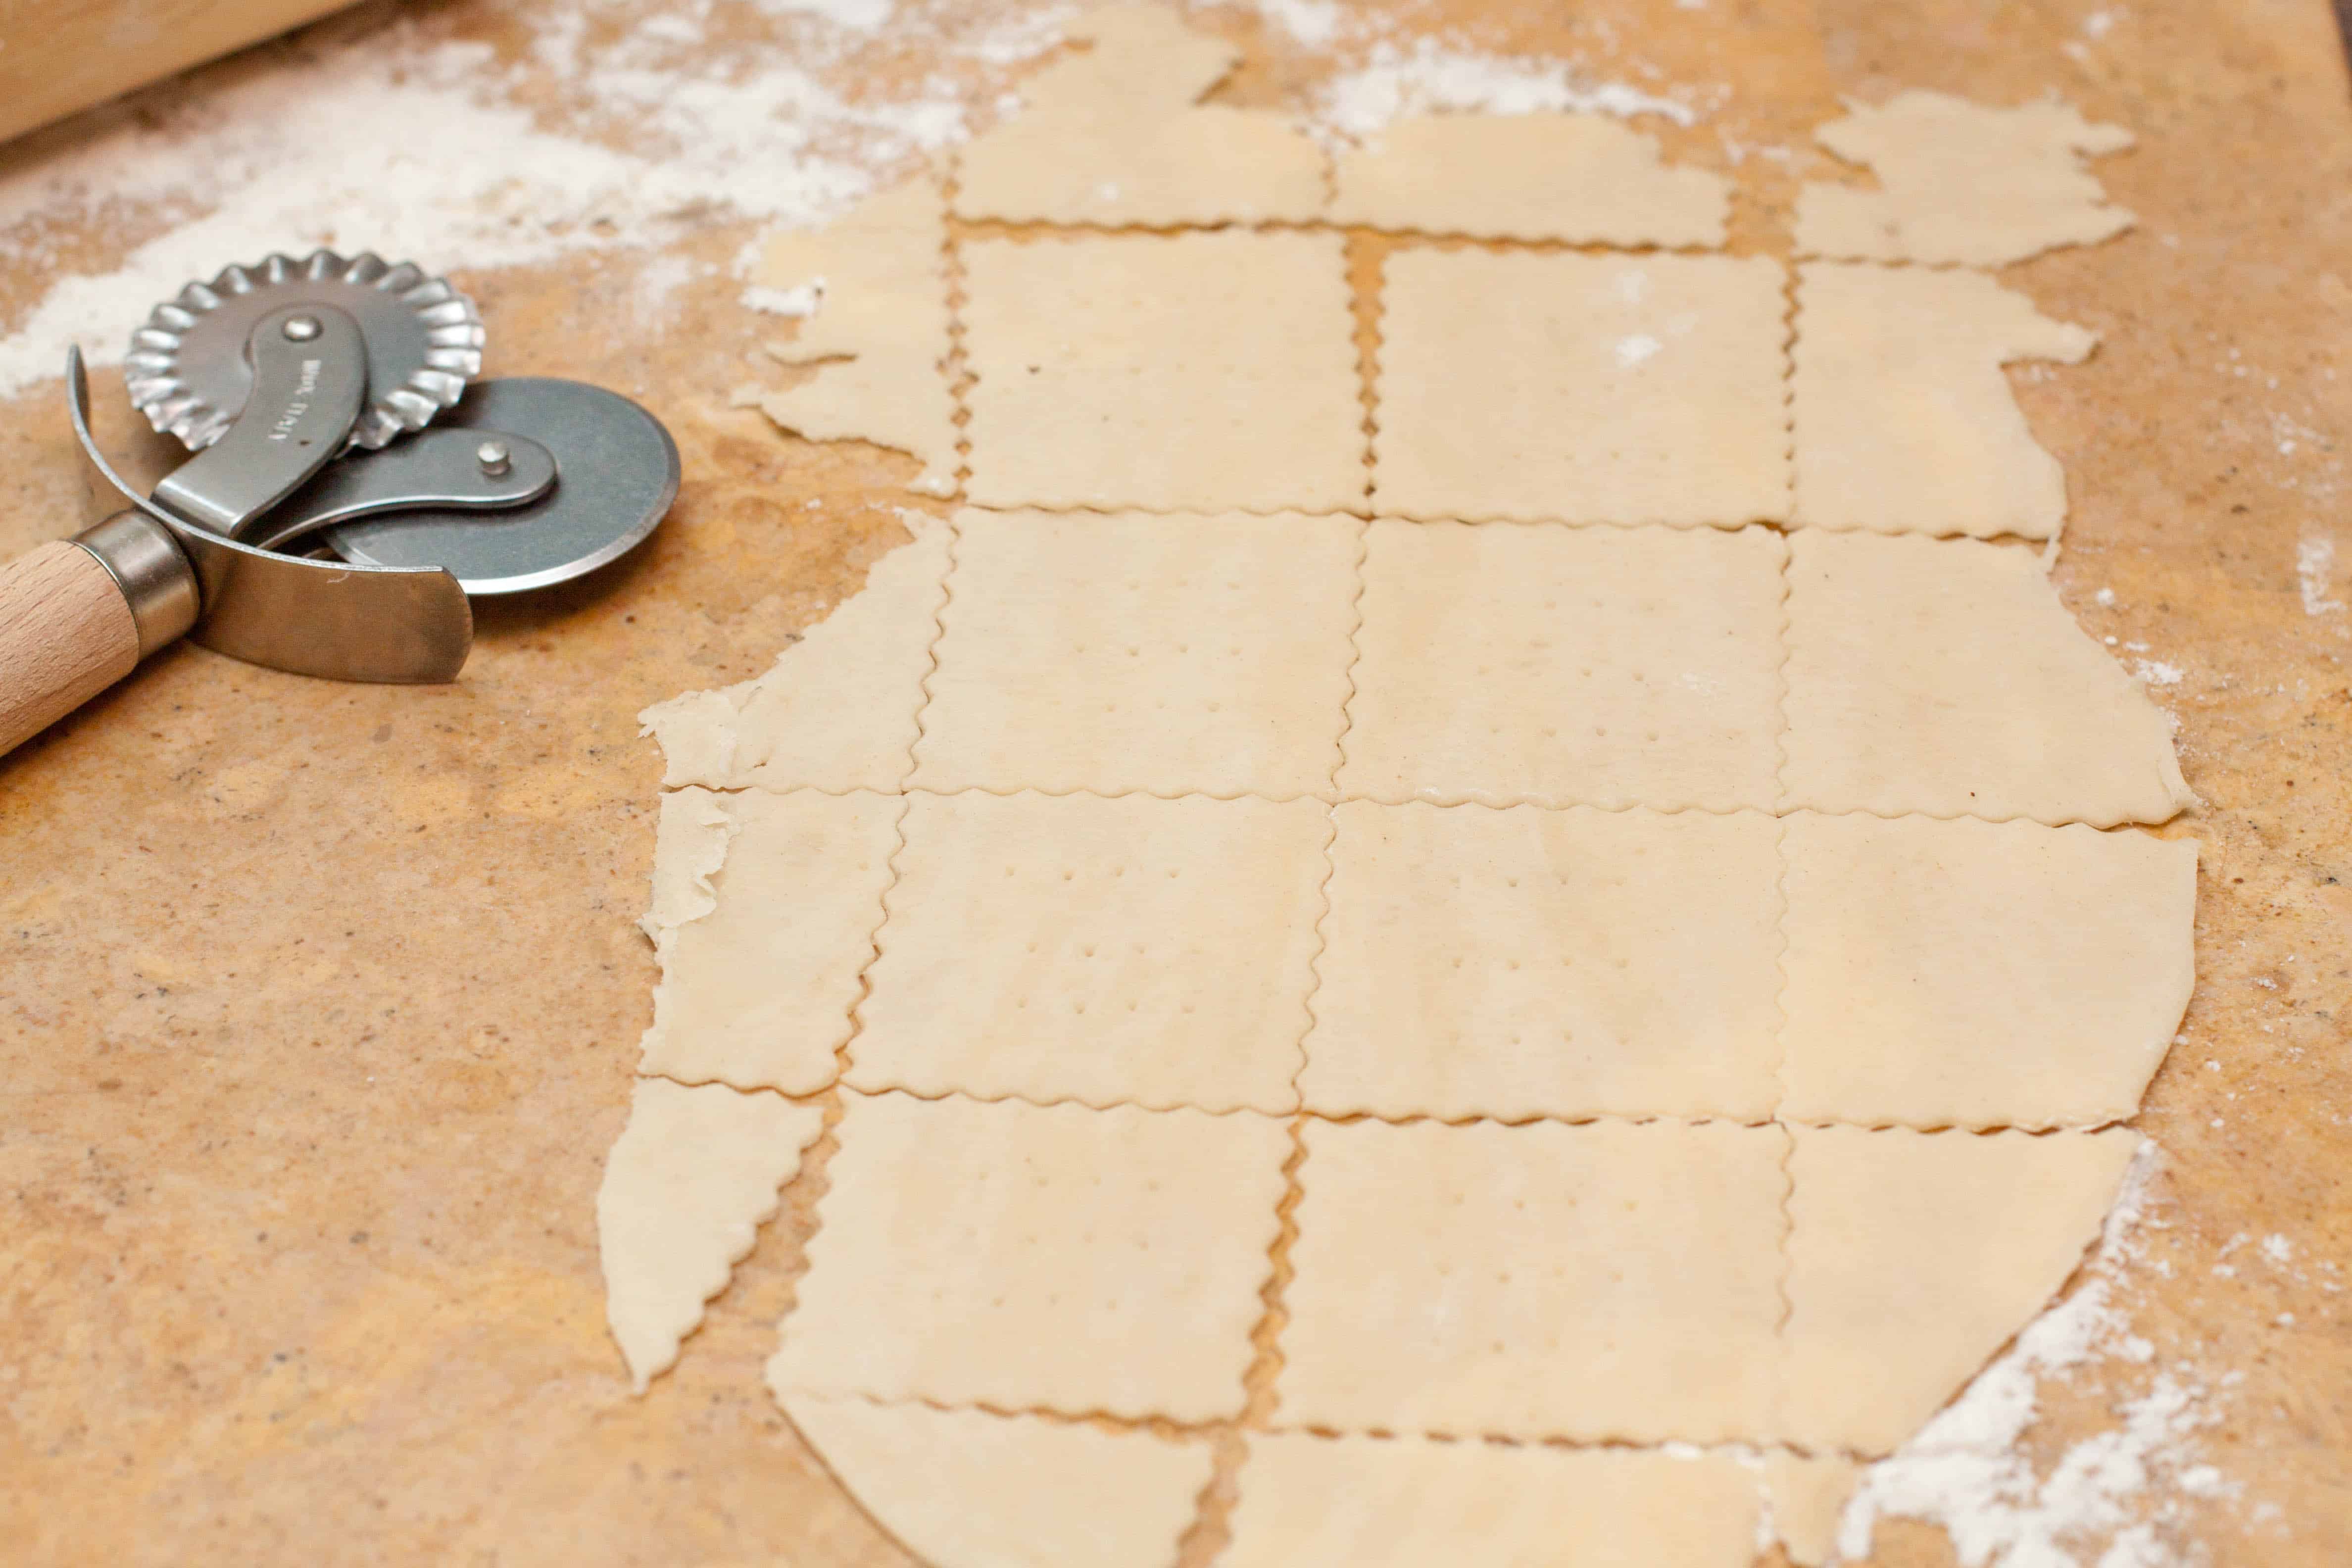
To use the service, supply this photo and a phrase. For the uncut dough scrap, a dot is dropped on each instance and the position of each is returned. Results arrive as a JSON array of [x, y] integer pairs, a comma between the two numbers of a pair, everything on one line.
[[1578, 178], [1960, 183], [980, 1490], [1111, 136], [1943, 677], [1325, 1502], [685, 1189], [1030, 1257], [1529, 962], [1133, 951], [1904, 421]]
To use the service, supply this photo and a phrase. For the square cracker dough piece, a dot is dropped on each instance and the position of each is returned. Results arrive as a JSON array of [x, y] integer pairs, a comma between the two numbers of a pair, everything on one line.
[[1531, 962], [1134, 652], [1904, 421], [1577, 177], [1604, 1281], [1621, 389], [1975, 973], [1915, 1256], [1133, 951], [1174, 373], [1337, 1502], [1944, 677], [1030, 1257], [1563, 666], [756, 990]]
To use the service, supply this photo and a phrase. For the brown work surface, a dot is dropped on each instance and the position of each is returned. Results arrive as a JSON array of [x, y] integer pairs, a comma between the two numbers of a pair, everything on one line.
[[320, 1001]]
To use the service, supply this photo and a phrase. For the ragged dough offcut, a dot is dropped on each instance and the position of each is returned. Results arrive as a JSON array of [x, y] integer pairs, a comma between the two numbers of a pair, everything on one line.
[[1605, 1281], [1113, 136], [1944, 677], [1980, 975], [1131, 951], [1344, 1502], [837, 709], [1915, 1256], [1904, 421], [685, 1187], [1531, 962], [1038, 1258], [967, 1488], [878, 338], [690, 839], [1960, 183], [1808, 1496], [756, 990], [1577, 177]]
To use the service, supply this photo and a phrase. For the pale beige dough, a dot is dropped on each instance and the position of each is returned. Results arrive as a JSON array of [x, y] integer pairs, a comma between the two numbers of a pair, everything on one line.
[[1581, 177], [1604, 1281], [1135, 950], [1557, 666], [1915, 1256], [1031, 1257], [1980, 975], [1904, 421], [1944, 677], [1342, 1502], [1135, 652], [1184, 372], [966, 1489], [1808, 1496], [878, 339], [1960, 182], [685, 1187], [1529, 962], [837, 709], [1621, 389], [1113, 136], [756, 989]]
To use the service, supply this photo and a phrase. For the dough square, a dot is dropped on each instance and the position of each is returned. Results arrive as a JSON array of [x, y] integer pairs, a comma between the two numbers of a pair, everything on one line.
[[1134, 950], [1577, 388], [1037, 1258], [756, 992], [1980, 975], [1137, 652], [1200, 371], [1603, 1281], [1525, 961], [1568, 666]]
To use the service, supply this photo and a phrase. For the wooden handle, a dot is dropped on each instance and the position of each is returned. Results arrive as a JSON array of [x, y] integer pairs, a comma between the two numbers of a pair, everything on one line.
[[66, 635]]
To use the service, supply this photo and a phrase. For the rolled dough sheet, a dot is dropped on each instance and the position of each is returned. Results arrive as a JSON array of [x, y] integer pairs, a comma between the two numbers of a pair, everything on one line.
[[1577, 177], [1172, 655], [1567, 667], [1960, 183], [1607, 1281], [1621, 389], [1528, 963], [1944, 677], [1135, 950], [2031, 976], [1915, 1256], [1808, 1496], [686, 1188], [1173, 373], [756, 990], [1341, 1502], [1031, 1257], [1904, 421], [966, 1489]]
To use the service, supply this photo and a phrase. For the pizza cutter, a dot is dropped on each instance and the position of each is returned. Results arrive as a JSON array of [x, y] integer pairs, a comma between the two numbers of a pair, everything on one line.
[[349, 489]]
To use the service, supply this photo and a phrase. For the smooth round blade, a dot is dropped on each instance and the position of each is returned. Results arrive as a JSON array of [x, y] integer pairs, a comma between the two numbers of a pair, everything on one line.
[[616, 472]]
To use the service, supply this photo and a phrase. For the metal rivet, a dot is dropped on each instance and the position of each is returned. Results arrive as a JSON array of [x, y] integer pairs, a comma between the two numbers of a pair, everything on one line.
[[301, 329], [493, 456]]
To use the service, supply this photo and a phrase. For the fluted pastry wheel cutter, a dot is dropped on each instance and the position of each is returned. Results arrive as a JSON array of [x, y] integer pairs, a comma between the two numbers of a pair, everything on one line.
[[349, 489]]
